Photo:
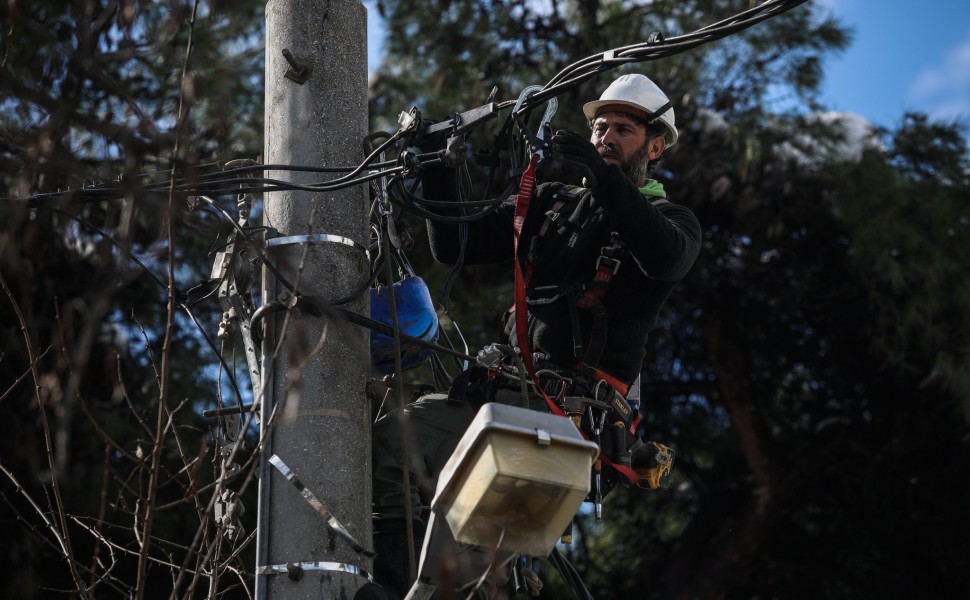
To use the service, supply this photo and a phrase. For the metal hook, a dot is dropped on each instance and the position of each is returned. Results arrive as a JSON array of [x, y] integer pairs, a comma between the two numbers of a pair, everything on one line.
[[552, 105]]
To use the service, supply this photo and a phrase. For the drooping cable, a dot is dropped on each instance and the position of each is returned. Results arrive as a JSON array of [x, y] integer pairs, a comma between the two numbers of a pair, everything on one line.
[[178, 295], [655, 48], [574, 583]]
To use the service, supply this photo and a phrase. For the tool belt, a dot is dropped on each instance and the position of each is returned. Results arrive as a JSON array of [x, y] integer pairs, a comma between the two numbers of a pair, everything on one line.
[[596, 407]]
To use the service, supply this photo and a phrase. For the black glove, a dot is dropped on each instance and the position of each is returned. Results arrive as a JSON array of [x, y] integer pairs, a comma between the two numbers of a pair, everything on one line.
[[574, 147]]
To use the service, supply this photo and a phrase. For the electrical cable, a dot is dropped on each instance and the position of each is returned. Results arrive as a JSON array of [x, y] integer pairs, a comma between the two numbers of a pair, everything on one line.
[[216, 183], [569, 575], [241, 231], [399, 193], [164, 286], [215, 186], [655, 48], [115, 243], [573, 75]]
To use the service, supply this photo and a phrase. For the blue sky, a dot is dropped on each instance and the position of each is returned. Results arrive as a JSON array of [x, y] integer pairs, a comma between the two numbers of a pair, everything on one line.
[[906, 55]]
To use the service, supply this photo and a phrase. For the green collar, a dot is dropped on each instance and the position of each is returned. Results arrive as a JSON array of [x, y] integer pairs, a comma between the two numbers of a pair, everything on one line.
[[653, 189]]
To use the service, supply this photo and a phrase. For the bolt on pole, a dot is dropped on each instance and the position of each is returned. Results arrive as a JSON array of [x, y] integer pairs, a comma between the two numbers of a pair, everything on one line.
[[315, 115]]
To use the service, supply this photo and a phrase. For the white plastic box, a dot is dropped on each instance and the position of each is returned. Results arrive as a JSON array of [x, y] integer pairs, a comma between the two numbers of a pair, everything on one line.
[[515, 480]]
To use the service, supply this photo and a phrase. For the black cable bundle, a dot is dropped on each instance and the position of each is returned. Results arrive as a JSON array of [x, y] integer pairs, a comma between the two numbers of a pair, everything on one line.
[[574, 583]]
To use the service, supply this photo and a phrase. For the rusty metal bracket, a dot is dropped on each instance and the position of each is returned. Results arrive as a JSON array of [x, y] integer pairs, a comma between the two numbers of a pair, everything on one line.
[[299, 70]]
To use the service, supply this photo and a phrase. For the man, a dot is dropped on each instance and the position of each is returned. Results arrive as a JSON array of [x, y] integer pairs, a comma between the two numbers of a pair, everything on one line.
[[587, 319]]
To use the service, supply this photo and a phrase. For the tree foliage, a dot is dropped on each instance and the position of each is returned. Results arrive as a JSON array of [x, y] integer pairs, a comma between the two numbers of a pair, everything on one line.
[[811, 372], [815, 357], [108, 468]]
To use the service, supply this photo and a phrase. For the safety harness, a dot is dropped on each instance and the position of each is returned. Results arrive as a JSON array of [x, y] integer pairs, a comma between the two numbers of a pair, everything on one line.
[[587, 296], [523, 200]]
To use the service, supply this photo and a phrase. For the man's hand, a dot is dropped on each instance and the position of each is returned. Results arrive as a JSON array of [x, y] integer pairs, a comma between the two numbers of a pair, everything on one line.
[[574, 147]]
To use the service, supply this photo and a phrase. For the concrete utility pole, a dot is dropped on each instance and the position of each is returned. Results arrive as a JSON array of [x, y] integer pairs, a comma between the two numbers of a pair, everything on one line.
[[316, 114]]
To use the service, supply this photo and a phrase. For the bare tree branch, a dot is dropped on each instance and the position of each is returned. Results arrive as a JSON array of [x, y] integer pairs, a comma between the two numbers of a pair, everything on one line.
[[169, 319], [63, 536]]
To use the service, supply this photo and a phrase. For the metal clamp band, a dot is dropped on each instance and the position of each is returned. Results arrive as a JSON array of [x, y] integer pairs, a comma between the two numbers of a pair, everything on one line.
[[313, 566], [316, 238], [332, 521]]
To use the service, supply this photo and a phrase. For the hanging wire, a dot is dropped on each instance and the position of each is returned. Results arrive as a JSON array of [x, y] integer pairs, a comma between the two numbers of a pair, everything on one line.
[[394, 174], [227, 181], [177, 293], [393, 177], [656, 47]]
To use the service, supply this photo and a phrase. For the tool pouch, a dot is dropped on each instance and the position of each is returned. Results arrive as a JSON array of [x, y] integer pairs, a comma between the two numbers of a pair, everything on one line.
[[652, 461]]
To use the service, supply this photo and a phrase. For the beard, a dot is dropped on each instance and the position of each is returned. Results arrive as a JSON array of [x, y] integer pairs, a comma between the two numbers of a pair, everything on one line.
[[636, 167]]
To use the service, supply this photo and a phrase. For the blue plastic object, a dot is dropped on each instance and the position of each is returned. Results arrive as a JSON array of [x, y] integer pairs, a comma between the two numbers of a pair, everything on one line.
[[416, 318]]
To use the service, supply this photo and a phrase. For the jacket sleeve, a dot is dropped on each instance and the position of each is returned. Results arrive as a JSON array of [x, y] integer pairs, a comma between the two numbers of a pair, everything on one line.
[[489, 239], [664, 239]]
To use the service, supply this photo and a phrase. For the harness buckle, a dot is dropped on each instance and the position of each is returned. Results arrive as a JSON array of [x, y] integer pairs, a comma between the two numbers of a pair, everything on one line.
[[490, 356], [608, 262]]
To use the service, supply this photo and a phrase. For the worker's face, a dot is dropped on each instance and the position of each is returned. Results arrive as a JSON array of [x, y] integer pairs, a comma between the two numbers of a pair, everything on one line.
[[621, 140]]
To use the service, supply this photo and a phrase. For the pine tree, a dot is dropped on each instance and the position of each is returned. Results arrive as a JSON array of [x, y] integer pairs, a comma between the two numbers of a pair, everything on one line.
[[816, 355]]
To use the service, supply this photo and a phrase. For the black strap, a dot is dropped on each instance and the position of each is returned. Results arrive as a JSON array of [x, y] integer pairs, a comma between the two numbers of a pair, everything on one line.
[[656, 114], [474, 386], [597, 336]]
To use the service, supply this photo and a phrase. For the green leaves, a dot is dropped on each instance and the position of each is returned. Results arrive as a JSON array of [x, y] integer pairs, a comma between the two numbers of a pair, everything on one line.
[[908, 215], [820, 341]]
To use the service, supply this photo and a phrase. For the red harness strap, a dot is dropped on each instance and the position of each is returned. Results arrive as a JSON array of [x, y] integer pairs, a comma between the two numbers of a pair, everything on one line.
[[527, 186], [607, 265], [524, 197], [620, 387]]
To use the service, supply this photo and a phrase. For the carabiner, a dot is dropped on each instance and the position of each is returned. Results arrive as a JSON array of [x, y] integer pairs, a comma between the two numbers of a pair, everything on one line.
[[551, 106]]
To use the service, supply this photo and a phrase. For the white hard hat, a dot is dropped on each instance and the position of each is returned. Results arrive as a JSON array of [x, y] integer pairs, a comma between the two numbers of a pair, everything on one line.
[[639, 92]]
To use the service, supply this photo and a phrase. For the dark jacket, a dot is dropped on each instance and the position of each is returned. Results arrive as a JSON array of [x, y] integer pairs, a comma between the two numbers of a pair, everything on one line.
[[661, 243]]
